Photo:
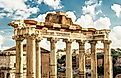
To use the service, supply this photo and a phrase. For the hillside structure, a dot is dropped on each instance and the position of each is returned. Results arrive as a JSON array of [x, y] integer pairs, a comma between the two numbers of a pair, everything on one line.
[[58, 26]]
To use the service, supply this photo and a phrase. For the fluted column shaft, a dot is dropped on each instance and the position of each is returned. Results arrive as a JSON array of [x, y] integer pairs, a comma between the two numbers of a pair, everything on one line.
[[69, 72], [53, 59], [19, 57], [107, 60], [5, 75], [82, 70], [31, 56], [93, 59], [38, 59]]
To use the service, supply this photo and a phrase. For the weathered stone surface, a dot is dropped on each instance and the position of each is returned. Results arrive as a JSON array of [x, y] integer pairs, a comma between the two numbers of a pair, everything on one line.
[[59, 26]]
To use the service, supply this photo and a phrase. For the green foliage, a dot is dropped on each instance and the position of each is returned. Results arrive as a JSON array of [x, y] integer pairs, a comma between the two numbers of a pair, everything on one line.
[[115, 54], [100, 70], [62, 60], [116, 70], [100, 56]]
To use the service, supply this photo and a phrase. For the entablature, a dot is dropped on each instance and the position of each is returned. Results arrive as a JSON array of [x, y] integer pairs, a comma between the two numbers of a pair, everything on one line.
[[59, 29]]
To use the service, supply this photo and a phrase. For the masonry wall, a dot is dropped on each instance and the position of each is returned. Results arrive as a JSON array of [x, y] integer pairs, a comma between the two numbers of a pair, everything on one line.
[[8, 64]]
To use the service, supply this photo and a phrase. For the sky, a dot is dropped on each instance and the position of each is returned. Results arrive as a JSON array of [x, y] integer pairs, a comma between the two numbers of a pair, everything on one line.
[[99, 14]]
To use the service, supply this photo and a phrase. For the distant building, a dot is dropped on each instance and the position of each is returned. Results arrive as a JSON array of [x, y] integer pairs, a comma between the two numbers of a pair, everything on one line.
[[8, 63], [98, 51], [118, 61]]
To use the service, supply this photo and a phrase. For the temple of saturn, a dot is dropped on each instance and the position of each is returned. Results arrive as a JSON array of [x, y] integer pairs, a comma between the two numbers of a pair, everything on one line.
[[58, 26]]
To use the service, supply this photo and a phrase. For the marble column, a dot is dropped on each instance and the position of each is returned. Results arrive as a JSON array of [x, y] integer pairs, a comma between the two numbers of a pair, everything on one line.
[[107, 60], [5, 75], [31, 57], [53, 59], [19, 57], [69, 71], [38, 59], [93, 59], [82, 70]]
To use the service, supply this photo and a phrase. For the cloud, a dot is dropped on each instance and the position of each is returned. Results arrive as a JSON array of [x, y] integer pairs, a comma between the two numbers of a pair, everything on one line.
[[16, 9], [24, 14], [1, 41], [20, 9], [13, 4], [56, 4], [6, 40], [115, 36], [45, 44], [39, 1], [41, 17], [71, 15], [89, 9], [102, 23], [2, 15], [117, 9], [85, 21], [99, 12], [92, 7]]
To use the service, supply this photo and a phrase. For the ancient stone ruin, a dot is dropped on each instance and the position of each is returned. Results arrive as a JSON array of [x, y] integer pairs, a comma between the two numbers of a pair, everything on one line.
[[58, 26]]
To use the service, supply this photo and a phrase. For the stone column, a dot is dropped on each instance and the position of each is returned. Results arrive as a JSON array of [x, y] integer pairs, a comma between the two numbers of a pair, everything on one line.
[[53, 59], [93, 59], [69, 72], [5, 75], [82, 70], [19, 57], [38, 59], [31, 56], [107, 60]]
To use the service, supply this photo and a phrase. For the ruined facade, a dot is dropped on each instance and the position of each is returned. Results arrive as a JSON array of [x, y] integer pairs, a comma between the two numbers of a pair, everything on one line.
[[58, 26]]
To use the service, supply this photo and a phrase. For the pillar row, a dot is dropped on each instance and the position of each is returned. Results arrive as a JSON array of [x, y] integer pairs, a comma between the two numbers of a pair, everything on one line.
[[93, 59], [19, 56], [82, 71], [69, 72], [31, 57], [107, 60]]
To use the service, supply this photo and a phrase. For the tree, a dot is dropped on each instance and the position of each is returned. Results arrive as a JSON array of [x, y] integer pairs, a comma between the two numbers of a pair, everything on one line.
[[100, 70], [62, 60], [115, 53]]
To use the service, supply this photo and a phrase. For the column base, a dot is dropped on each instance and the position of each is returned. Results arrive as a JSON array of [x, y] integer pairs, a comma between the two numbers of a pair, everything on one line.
[[31, 76], [19, 75], [53, 76], [82, 74]]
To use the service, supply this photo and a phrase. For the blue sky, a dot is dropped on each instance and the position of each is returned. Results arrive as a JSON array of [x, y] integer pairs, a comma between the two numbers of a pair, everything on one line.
[[99, 14]]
